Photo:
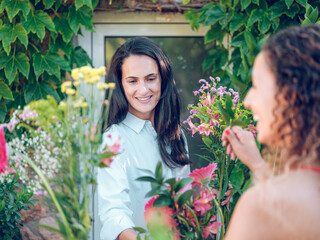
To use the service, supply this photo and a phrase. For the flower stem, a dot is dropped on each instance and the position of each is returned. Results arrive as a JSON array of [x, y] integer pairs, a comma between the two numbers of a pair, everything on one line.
[[195, 218], [222, 217]]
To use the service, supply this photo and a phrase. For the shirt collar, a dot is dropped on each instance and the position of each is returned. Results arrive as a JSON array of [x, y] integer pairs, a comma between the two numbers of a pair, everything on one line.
[[133, 122]]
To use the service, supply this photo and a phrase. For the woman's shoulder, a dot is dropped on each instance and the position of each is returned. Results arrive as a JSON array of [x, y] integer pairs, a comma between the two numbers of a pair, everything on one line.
[[288, 203]]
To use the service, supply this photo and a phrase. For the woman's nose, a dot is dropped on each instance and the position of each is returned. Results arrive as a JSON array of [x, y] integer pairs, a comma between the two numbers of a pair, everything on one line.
[[143, 88]]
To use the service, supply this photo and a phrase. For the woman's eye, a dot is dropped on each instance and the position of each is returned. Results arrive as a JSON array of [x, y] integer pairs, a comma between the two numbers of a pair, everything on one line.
[[151, 79]]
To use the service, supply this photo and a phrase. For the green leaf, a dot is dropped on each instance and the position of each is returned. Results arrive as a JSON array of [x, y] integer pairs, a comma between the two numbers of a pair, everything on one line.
[[182, 183], [48, 3], [13, 63], [81, 16], [3, 112], [237, 21], [312, 13], [214, 15], [224, 114], [80, 3], [244, 4], [186, 196], [49, 62], [278, 9], [208, 61], [36, 91], [207, 141], [80, 57], [215, 33], [63, 27], [264, 24], [226, 19], [36, 23], [9, 34], [238, 40], [158, 173], [229, 105], [250, 40], [5, 91], [14, 6], [226, 3], [293, 11], [221, 58], [254, 17], [288, 3], [161, 201], [303, 3], [147, 179], [185, 2], [256, 2], [237, 177]]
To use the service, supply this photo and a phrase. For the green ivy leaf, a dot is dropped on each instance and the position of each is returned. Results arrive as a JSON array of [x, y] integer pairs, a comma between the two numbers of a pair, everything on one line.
[[208, 61], [63, 27], [264, 24], [81, 16], [221, 58], [250, 40], [293, 11], [226, 19], [80, 57], [256, 2], [237, 21], [238, 40], [245, 4], [58, 44], [48, 3], [12, 63], [214, 15], [312, 13], [3, 112], [57, 4], [80, 3], [303, 3], [254, 17], [39, 90], [48, 62], [14, 6], [215, 34], [226, 3], [36, 23], [289, 3], [5, 91], [9, 34], [278, 9]]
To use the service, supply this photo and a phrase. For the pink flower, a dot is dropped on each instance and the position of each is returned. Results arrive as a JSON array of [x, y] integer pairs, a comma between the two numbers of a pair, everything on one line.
[[193, 128], [203, 203], [157, 217], [195, 93], [3, 152], [209, 111], [211, 228], [203, 175], [107, 161], [251, 128]]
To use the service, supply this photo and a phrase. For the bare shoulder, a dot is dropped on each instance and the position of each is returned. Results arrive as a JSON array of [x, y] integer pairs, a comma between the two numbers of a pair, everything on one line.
[[281, 208]]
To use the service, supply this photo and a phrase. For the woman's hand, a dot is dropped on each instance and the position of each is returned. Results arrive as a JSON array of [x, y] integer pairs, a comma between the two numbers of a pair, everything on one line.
[[128, 234], [241, 143]]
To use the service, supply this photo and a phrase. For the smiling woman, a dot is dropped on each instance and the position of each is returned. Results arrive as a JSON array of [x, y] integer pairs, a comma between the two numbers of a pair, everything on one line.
[[145, 114], [142, 85]]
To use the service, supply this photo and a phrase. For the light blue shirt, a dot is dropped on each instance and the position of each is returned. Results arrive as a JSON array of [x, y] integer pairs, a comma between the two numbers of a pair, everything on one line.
[[121, 199]]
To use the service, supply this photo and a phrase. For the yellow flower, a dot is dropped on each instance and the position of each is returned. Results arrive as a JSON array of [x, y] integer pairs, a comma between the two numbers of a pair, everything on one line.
[[84, 104], [92, 80], [75, 74], [85, 70], [76, 83], [102, 86], [112, 85], [94, 72], [65, 85], [70, 91], [102, 71]]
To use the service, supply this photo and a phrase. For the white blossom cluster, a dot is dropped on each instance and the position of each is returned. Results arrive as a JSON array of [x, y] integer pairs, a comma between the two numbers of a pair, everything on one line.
[[42, 151]]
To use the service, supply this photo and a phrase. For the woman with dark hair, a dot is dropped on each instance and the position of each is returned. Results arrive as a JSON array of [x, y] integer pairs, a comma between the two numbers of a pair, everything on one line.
[[285, 102], [145, 114]]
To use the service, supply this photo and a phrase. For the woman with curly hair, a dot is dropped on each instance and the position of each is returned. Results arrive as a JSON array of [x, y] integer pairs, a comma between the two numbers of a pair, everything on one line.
[[285, 102]]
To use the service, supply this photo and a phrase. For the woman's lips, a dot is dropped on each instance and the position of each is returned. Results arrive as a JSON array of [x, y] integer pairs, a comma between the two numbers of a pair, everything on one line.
[[144, 99]]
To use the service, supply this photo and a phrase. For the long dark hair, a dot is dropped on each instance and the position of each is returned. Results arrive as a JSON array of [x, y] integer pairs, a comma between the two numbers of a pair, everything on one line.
[[167, 111], [294, 58]]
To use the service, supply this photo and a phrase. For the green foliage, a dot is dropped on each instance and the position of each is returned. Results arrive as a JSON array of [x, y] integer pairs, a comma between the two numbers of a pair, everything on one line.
[[12, 201], [248, 23], [36, 48]]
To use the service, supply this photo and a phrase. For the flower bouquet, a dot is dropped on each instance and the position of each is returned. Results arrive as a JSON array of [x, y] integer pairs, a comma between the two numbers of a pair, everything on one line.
[[181, 208], [61, 143]]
